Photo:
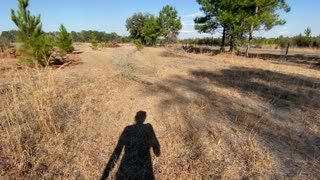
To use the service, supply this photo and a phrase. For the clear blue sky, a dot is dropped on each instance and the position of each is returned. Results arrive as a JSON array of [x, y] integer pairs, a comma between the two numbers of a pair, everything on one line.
[[110, 15]]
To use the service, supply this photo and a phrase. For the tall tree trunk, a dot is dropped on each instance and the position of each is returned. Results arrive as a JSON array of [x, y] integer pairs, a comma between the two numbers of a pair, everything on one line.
[[231, 42], [251, 34], [287, 51], [223, 39], [249, 41]]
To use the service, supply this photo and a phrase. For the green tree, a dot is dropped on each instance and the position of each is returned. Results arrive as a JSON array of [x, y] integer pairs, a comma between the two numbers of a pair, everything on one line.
[[169, 23], [307, 32], [138, 44], [135, 24], [151, 31], [30, 34], [225, 15], [236, 18], [9, 35], [262, 14], [308, 37], [231, 15], [94, 42], [64, 40], [209, 22]]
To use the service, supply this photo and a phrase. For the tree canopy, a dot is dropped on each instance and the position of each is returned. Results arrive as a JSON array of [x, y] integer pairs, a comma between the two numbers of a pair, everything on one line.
[[237, 18], [148, 28], [135, 24], [151, 31], [30, 32], [64, 39], [169, 23]]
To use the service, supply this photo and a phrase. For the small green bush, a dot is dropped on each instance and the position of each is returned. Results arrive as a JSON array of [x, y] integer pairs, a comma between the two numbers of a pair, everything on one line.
[[138, 44], [34, 41], [4, 44], [94, 42], [64, 40]]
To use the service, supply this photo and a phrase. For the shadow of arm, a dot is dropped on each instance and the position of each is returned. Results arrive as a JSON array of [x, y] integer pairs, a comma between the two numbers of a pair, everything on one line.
[[114, 158], [154, 142]]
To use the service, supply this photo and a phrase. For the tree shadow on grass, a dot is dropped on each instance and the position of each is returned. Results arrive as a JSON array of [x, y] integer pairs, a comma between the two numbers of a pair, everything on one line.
[[311, 61], [282, 90], [283, 93], [136, 140]]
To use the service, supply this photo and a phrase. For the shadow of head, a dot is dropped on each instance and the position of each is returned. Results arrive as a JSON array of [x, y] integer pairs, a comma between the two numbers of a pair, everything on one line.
[[140, 117]]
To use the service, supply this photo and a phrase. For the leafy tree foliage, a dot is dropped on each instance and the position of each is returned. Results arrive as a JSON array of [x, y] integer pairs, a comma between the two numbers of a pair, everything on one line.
[[126, 39], [6, 38], [4, 44], [231, 15], [9, 35], [85, 36], [136, 23], [209, 22], [149, 28], [30, 33], [307, 32], [64, 40], [237, 18], [300, 41], [202, 41], [222, 15], [262, 14], [169, 23], [151, 31], [94, 42], [138, 44]]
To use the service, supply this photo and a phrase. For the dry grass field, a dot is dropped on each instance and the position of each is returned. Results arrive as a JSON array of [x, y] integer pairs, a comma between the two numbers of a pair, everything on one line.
[[215, 117]]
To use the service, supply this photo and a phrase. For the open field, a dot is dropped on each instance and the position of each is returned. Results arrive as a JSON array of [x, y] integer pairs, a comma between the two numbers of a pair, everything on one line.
[[215, 117]]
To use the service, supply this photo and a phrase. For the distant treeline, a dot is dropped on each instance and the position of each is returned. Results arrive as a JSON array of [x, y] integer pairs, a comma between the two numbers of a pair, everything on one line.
[[82, 36], [300, 41], [202, 41]]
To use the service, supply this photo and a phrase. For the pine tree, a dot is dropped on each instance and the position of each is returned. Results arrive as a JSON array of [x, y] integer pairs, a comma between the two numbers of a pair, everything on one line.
[[209, 22], [30, 34], [169, 23], [221, 14], [64, 40], [151, 31], [94, 42], [135, 24], [262, 14], [237, 18]]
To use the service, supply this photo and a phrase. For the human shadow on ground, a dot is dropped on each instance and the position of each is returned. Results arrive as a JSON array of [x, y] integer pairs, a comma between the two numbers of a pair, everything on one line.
[[136, 140]]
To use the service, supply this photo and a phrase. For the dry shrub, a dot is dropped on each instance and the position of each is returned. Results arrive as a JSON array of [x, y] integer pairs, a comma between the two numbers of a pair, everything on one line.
[[33, 118], [174, 52]]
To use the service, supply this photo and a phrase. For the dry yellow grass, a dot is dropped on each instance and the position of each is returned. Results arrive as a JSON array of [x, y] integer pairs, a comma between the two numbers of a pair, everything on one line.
[[216, 117]]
